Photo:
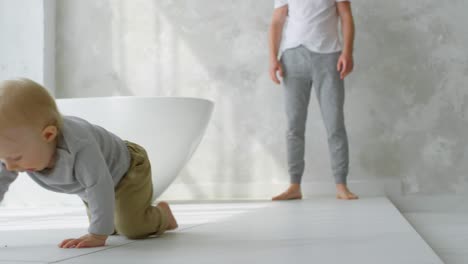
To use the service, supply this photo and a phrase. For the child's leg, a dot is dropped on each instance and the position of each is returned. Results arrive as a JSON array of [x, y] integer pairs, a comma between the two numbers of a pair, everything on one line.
[[172, 221], [135, 217]]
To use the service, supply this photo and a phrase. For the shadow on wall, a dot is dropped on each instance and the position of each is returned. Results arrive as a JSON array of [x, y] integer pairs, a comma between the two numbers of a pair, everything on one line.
[[89, 56]]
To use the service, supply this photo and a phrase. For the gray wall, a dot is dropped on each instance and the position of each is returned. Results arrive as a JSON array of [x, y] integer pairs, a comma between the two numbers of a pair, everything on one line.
[[406, 102], [21, 39]]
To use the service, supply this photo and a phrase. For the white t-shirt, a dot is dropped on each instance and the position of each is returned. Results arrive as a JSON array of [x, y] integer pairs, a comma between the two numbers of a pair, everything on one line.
[[312, 23]]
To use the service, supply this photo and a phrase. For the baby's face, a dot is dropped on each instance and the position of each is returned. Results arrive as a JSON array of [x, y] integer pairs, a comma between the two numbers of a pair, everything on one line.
[[25, 150]]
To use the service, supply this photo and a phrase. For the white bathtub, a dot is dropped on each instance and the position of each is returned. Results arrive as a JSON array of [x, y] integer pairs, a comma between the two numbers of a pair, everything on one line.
[[169, 128]]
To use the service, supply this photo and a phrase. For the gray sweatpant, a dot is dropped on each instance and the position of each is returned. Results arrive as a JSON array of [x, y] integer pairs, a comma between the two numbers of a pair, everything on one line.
[[302, 68]]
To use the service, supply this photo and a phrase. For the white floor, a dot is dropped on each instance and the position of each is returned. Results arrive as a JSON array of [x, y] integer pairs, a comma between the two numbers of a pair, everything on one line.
[[446, 233], [324, 230]]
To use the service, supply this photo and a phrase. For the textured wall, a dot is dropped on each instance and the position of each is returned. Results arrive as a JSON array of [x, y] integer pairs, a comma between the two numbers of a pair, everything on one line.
[[406, 102], [21, 39]]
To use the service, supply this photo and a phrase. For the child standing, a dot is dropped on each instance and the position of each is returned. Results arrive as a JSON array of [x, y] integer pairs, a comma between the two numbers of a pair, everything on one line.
[[69, 155]]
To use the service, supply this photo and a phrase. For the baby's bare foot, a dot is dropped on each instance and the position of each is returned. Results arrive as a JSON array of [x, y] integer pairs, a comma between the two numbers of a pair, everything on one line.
[[292, 193], [343, 193], [172, 221]]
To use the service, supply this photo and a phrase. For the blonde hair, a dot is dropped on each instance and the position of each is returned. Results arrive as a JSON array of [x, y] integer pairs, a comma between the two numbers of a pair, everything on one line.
[[25, 102]]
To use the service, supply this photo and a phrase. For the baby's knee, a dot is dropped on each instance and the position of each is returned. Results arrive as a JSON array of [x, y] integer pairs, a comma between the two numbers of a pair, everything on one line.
[[130, 228], [132, 232]]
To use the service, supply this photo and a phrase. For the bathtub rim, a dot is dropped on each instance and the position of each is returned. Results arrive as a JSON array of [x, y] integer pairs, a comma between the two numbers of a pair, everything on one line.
[[185, 98]]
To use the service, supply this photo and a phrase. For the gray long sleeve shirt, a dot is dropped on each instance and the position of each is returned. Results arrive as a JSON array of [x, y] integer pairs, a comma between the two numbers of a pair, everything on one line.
[[90, 161]]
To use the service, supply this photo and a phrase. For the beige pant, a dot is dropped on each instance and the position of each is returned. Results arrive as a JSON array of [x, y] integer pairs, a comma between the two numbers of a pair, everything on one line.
[[134, 216]]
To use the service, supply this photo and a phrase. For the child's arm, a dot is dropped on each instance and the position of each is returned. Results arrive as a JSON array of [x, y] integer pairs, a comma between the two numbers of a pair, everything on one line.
[[92, 172], [345, 63], [6, 178]]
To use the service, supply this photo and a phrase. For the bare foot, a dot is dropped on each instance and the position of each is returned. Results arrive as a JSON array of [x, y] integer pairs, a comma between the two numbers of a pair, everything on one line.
[[172, 221], [343, 193], [292, 193]]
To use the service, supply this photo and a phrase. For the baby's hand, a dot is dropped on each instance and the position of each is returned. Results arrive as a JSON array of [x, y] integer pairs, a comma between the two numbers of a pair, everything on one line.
[[89, 240]]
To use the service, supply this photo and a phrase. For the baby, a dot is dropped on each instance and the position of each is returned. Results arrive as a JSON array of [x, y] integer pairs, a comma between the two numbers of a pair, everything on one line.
[[69, 155]]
